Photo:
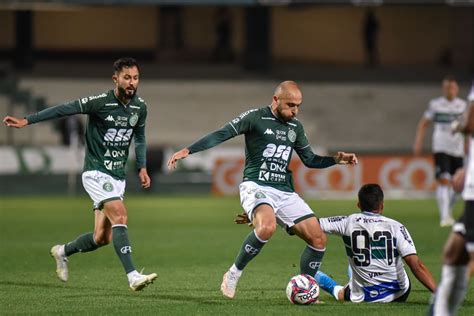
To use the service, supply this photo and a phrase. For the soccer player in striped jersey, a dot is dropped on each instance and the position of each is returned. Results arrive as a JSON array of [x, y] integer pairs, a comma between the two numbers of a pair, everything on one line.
[[375, 246], [267, 193], [459, 248], [448, 148], [115, 117]]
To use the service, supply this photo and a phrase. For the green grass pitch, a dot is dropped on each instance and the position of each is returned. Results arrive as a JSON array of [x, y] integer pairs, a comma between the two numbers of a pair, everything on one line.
[[189, 242]]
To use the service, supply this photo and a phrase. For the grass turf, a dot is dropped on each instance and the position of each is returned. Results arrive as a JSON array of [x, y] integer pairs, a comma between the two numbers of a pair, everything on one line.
[[189, 242]]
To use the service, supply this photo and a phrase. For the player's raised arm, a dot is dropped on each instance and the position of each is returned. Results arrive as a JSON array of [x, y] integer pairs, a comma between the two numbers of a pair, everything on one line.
[[237, 126]]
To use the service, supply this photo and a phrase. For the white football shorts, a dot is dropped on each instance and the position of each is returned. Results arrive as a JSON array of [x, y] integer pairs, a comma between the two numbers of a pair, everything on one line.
[[102, 188], [289, 207]]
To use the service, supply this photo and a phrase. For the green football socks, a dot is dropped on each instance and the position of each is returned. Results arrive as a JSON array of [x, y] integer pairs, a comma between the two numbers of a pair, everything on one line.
[[250, 248], [83, 243], [122, 246], [311, 260]]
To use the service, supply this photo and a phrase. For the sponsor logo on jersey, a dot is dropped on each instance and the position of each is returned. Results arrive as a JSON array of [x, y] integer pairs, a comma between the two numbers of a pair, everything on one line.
[[111, 104], [251, 250], [281, 135], [108, 164], [335, 219], [405, 235], [126, 249], [268, 132], [108, 187], [109, 118], [291, 135], [115, 153], [85, 100], [264, 166], [267, 118], [369, 220], [264, 175], [133, 119], [241, 116], [260, 195]]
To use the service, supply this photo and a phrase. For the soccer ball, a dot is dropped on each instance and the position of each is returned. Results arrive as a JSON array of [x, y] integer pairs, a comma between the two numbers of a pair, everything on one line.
[[302, 289]]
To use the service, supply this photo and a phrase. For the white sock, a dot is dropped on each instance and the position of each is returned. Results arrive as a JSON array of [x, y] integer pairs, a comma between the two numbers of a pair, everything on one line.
[[451, 290], [235, 270], [460, 288], [336, 291], [442, 197], [131, 275], [61, 251]]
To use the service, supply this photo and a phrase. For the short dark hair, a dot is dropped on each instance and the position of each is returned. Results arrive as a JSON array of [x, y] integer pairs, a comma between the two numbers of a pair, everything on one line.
[[124, 62], [449, 78], [370, 197]]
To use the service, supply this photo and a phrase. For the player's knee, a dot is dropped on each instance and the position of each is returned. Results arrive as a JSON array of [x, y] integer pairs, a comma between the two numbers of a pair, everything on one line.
[[317, 240], [101, 238], [265, 230]]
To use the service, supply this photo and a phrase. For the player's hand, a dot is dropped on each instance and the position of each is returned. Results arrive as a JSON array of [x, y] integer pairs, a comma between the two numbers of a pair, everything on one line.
[[11, 121], [144, 178], [183, 153], [242, 219], [343, 158]]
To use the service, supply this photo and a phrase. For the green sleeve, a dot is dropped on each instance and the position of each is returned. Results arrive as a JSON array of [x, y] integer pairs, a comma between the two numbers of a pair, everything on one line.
[[212, 139], [239, 125], [308, 157], [62, 110], [83, 105], [140, 141]]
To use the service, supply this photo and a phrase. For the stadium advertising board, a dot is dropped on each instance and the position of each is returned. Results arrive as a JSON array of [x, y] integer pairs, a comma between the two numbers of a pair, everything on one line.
[[403, 174]]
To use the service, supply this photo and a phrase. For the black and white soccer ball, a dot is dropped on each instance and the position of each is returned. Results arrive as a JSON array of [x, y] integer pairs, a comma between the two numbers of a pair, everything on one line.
[[302, 290]]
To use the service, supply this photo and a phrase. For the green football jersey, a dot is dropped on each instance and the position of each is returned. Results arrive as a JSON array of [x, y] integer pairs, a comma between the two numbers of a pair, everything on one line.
[[109, 132], [269, 145]]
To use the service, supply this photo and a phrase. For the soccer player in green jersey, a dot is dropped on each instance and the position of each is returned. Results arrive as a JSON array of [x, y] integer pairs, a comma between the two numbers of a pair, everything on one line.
[[115, 117], [267, 193]]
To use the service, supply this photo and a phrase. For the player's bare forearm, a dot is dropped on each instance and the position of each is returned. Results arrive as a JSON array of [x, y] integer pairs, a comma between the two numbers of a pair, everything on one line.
[[421, 272], [14, 122], [183, 153], [420, 135]]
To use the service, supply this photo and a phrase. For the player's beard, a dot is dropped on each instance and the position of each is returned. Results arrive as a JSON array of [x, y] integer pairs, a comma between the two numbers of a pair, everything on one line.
[[280, 113], [123, 95]]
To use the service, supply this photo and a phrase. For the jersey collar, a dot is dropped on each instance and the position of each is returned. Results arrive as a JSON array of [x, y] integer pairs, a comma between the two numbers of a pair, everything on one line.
[[371, 214]]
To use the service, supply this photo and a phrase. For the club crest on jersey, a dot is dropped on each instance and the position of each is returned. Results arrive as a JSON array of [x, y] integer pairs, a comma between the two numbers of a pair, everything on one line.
[[133, 119], [291, 135], [108, 187]]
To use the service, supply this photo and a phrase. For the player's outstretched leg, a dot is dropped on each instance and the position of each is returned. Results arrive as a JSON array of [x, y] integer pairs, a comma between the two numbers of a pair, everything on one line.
[[83, 243], [265, 225], [328, 284]]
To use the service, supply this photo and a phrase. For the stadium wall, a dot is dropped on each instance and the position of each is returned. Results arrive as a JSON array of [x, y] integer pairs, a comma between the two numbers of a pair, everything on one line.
[[409, 35]]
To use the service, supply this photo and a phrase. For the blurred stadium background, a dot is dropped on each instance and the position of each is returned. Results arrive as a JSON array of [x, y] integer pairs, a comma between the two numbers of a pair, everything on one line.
[[202, 63]]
